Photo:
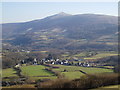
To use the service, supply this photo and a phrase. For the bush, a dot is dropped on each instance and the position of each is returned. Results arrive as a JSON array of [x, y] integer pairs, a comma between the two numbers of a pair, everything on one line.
[[94, 81], [85, 82], [58, 83], [18, 71], [117, 69]]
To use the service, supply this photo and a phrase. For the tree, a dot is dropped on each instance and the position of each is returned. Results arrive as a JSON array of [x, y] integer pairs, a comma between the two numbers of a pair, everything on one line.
[[117, 69], [49, 57]]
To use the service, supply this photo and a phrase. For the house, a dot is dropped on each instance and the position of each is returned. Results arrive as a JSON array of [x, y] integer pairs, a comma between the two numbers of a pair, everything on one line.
[[64, 62], [17, 66], [52, 62], [22, 61], [61, 63], [57, 59], [58, 62], [27, 51], [35, 61], [23, 50], [51, 59], [81, 64], [86, 65]]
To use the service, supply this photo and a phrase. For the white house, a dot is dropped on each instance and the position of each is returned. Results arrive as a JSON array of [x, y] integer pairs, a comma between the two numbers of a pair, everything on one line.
[[61, 62], [35, 60], [53, 62], [17, 66], [57, 59]]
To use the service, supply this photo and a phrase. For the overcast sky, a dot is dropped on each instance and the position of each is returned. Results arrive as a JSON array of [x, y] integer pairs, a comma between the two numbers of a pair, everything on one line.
[[27, 11]]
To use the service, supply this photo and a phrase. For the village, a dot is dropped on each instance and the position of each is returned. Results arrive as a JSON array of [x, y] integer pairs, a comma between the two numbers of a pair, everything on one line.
[[67, 62]]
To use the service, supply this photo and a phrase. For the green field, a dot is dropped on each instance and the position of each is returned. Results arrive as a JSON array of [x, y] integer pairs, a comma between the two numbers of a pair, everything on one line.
[[36, 72], [82, 54], [8, 73], [73, 71], [101, 55], [72, 75]]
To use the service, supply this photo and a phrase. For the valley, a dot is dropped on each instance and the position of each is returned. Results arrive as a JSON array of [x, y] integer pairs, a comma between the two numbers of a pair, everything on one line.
[[70, 48]]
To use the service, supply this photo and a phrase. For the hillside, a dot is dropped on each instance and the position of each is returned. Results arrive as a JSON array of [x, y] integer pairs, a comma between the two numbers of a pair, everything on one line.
[[64, 31]]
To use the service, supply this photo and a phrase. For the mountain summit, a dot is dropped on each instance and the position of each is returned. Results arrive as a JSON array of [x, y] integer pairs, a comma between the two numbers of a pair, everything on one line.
[[59, 15], [63, 14]]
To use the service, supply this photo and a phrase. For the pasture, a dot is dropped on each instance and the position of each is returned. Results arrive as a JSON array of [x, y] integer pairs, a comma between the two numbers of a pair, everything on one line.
[[8, 72], [84, 55], [73, 72], [35, 72], [102, 55]]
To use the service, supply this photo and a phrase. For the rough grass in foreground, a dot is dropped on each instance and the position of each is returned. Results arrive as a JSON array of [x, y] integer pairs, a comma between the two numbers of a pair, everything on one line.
[[21, 86], [110, 87]]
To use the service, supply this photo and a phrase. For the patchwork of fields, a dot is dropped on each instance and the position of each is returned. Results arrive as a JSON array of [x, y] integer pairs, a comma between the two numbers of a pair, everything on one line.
[[102, 55], [85, 55], [35, 72]]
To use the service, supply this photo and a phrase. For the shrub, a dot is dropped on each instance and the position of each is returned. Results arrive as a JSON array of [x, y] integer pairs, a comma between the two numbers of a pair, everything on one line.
[[85, 82], [58, 83], [94, 81]]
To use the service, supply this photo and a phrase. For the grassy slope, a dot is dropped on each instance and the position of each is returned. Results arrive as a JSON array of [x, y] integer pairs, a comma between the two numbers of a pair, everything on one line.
[[8, 72], [85, 69], [72, 71], [102, 55], [72, 75], [39, 72], [36, 72]]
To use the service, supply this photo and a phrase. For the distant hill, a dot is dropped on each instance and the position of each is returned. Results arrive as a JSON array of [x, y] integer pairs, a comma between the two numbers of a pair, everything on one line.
[[64, 31]]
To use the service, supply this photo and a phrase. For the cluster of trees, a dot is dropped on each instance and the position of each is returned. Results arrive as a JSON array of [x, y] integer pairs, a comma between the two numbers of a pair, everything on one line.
[[86, 82], [112, 61], [117, 69], [10, 59]]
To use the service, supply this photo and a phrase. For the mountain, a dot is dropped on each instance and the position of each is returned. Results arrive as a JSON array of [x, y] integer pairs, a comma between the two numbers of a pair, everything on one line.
[[64, 31]]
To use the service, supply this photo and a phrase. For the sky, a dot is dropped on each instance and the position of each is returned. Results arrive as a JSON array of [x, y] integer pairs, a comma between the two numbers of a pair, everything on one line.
[[26, 11]]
